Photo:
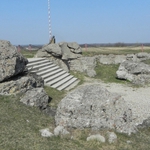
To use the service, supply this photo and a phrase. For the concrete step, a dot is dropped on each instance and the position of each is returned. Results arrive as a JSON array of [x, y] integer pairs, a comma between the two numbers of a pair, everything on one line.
[[37, 63], [51, 73], [62, 82], [47, 71], [67, 84], [47, 67], [54, 76], [71, 86], [38, 66], [58, 79], [32, 60]]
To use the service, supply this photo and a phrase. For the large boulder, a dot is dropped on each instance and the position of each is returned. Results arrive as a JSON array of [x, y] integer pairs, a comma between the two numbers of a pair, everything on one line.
[[36, 97], [20, 84], [11, 62], [67, 53], [53, 49], [135, 72], [92, 106], [75, 48], [85, 65]]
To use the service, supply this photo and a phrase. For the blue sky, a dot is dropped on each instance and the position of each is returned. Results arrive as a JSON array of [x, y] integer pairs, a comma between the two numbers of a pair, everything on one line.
[[83, 21]]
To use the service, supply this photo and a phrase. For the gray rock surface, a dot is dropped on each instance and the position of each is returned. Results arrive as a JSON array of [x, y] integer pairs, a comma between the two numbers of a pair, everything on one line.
[[53, 49], [136, 72], [145, 123], [36, 97], [112, 137], [20, 84], [67, 54], [92, 106], [60, 130], [138, 57], [46, 133], [132, 57], [60, 53], [42, 54], [111, 59], [11, 62], [96, 137], [75, 48], [84, 64], [143, 56]]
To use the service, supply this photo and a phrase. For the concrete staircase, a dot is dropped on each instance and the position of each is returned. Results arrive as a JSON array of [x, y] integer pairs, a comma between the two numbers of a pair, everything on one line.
[[52, 74]]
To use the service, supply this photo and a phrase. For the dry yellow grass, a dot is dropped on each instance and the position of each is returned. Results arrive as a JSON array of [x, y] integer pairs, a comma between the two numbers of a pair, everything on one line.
[[90, 51]]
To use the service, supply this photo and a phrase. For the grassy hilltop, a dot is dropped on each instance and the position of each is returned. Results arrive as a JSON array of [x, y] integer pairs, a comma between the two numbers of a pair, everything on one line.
[[20, 124]]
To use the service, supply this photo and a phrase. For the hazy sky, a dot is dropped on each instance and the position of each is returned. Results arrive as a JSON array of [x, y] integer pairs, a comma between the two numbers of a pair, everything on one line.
[[83, 21]]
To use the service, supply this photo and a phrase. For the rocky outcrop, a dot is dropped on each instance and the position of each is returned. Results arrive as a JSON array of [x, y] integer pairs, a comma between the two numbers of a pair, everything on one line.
[[11, 62], [36, 97], [92, 106], [135, 72], [20, 84], [111, 59], [117, 59], [75, 48], [61, 53], [53, 49], [85, 65], [69, 53], [15, 79], [138, 57], [69, 57]]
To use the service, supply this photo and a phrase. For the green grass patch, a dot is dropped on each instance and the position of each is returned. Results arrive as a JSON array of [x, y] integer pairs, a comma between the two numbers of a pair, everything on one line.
[[78, 75], [28, 54], [147, 61], [20, 125], [56, 95], [107, 73]]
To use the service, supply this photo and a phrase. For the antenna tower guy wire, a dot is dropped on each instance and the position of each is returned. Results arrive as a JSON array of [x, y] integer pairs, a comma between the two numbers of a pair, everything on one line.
[[49, 21]]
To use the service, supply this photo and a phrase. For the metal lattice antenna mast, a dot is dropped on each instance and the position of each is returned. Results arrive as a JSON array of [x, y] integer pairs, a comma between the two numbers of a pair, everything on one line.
[[49, 21]]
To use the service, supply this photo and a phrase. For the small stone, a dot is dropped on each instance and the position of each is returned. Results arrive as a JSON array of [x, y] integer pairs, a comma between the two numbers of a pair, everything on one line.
[[112, 137], [60, 130], [128, 142], [96, 137], [46, 133]]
